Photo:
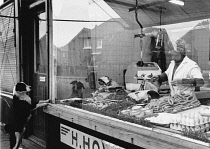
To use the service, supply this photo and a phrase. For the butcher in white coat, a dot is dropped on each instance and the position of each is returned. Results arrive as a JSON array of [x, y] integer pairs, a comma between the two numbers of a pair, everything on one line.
[[183, 74]]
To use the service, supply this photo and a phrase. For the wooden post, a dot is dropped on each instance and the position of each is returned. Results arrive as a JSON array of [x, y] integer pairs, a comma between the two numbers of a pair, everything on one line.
[[49, 46], [17, 40], [49, 39]]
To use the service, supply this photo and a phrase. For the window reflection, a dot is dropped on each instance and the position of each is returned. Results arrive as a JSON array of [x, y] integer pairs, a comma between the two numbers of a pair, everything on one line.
[[92, 41], [41, 53]]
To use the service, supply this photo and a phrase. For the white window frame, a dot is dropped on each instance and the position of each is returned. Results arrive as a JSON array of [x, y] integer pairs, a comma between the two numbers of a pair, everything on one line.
[[64, 54], [99, 44], [87, 43]]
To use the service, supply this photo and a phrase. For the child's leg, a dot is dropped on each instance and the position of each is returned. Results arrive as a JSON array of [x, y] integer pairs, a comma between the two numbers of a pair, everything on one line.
[[12, 140]]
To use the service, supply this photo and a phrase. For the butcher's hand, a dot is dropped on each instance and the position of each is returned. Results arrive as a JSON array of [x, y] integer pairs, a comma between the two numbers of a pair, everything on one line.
[[176, 82]]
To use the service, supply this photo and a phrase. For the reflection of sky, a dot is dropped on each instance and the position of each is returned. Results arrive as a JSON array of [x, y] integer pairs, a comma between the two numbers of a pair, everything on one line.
[[176, 31], [95, 10], [86, 10]]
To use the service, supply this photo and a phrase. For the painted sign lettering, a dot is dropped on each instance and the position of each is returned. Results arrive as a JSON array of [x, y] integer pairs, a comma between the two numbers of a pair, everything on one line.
[[78, 139]]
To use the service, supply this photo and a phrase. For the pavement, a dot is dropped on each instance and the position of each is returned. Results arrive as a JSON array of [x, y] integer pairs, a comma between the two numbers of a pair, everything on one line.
[[4, 139]]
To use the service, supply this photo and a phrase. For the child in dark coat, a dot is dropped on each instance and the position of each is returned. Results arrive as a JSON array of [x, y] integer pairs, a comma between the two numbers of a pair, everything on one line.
[[22, 107]]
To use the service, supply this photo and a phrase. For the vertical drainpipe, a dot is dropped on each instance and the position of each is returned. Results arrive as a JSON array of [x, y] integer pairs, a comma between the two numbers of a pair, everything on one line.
[[49, 45], [17, 7]]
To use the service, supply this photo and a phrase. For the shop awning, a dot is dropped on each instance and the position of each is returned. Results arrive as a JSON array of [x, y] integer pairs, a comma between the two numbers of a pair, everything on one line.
[[149, 12]]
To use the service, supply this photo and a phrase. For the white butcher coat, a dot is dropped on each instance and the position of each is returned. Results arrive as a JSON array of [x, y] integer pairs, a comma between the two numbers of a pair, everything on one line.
[[188, 69]]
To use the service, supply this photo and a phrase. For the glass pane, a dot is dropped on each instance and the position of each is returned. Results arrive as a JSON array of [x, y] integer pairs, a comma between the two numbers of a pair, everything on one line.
[[83, 33], [41, 52], [92, 41]]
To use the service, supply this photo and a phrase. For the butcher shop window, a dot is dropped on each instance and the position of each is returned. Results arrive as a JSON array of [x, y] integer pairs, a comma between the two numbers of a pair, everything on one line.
[[99, 42]]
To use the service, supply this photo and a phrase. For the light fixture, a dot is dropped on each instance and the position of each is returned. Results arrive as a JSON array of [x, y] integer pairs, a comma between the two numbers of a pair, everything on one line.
[[178, 2]]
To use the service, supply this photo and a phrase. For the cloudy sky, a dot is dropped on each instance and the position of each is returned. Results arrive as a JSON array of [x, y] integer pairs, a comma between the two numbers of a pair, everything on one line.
[[91, 10], [95, 10], [176, 31]]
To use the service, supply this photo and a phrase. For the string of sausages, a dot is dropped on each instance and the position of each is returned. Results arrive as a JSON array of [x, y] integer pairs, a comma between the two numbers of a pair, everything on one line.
[[173, 104]]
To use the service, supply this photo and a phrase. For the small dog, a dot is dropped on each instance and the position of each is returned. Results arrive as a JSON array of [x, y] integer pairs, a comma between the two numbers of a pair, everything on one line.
[[77, 89]]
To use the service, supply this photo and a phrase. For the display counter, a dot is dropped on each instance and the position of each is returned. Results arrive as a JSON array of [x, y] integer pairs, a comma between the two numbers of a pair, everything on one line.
[[70, 127], [204, 94]]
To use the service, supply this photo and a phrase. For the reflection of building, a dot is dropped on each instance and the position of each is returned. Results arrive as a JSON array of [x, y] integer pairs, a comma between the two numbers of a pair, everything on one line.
[[199, 50], [97, 52], [120, 48], [74, 58], [107, 50], [72, 61]]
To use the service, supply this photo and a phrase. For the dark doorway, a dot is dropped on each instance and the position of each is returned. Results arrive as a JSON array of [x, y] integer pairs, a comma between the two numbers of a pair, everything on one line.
[[40, 75], [34, 57]]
